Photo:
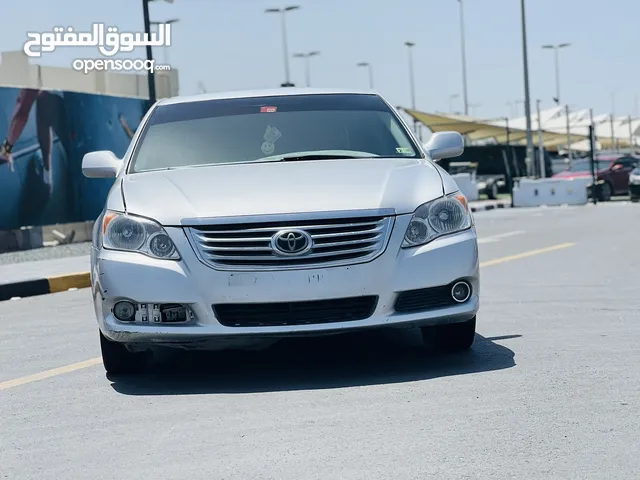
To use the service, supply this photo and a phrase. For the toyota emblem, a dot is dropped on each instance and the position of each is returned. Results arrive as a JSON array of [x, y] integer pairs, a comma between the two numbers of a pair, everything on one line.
[[291, 242]]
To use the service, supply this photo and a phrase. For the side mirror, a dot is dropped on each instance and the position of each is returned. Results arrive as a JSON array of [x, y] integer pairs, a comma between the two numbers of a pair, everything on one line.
[[101, 164], [445, 145]]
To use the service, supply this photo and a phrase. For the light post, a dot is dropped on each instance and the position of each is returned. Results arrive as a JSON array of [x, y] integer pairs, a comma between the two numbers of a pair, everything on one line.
[[307, 68], [451, 99], [370, 68], [151, 79], [527, 102], [555, 49], [410, 46], [165, 49], [464, 60], [283, 15]]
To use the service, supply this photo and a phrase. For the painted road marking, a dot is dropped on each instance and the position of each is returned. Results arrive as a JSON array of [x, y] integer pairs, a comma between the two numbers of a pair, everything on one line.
[[497, 238], [526, 254], [16, 382]]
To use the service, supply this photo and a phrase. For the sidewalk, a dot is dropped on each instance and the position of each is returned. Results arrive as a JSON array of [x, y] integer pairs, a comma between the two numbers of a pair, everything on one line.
[[26, 279]]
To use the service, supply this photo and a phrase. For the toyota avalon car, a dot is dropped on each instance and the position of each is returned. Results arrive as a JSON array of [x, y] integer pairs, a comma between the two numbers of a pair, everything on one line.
[[248, 217]]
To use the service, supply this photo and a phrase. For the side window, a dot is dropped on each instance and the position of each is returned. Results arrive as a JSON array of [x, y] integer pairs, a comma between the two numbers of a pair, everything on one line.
[[627, 162]]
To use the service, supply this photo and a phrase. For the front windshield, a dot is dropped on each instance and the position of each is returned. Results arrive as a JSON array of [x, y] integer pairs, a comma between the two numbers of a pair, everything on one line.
[[265, 129], [585, 165]]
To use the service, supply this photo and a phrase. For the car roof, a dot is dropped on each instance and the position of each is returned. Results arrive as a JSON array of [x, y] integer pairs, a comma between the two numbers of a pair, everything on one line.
[[273, 92]]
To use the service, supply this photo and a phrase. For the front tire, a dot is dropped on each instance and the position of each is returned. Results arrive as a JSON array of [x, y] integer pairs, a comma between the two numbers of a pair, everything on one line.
[[606, 192], [118, 360], [454, 337], [492, 191]]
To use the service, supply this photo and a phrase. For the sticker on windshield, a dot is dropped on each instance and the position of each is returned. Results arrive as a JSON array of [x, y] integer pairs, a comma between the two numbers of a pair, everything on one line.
[[268, 109], [270, 136], [404, 150]]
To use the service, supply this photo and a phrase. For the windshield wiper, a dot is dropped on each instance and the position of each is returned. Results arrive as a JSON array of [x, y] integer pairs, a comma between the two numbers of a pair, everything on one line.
[[314, 156]]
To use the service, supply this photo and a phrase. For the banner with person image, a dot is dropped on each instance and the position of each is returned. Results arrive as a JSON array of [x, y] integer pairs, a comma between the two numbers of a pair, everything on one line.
[[43, 137]]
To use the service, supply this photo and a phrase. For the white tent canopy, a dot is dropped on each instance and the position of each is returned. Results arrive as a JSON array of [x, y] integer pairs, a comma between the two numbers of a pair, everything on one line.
[[625, 131]]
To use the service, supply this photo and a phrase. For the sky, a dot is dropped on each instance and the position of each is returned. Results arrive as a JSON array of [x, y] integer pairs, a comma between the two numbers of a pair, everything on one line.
[[234, 45]]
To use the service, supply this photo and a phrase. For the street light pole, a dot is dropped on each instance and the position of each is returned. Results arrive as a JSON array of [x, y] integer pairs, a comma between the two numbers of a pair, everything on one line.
[[464, 60], [451, 99], [410, 46], [370, 67], [307, 60], [555, 49], [285, 47], [527, 101], [151, 80]]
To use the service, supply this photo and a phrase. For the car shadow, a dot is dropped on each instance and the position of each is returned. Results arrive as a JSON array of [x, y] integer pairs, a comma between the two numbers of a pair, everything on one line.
[[358, 359]]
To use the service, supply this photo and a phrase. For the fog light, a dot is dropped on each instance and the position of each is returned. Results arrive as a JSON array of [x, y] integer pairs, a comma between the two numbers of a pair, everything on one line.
[[461, 292], [124, 311]]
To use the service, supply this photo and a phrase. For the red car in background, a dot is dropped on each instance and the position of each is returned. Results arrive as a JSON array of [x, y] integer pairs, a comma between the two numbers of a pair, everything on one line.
[[613, 170]]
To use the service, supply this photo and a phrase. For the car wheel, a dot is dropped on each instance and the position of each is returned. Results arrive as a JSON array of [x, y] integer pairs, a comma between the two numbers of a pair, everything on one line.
[[492, 191], [118, 360], [451, 337], [606, 192]]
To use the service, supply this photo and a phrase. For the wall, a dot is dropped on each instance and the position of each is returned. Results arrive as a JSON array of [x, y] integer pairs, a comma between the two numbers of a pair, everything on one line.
[[41, 181], [53, 116], [16, 71]]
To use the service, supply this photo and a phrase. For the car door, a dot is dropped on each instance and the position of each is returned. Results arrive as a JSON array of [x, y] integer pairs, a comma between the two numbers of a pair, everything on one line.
[[621, 170]]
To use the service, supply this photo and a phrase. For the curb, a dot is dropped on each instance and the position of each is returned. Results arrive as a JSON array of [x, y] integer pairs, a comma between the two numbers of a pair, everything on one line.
[[44, 286], [28, 238], [490, 206]]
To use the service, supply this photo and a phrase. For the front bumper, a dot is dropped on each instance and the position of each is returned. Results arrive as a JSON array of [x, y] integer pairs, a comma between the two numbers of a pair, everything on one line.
[[130, 276]]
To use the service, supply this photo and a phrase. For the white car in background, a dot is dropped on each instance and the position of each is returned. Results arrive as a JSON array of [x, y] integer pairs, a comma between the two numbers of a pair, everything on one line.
[[244, 216]]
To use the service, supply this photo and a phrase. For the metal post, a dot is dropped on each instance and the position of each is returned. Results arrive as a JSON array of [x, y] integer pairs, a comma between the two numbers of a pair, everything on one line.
[[540, 143], [370, 67], [613, 145], [464, 60], [630, 135], [557, 76], [613, 109], [410, 46], [527, 102], [151, 81], [307, 68], [285, 47], [592, 148], [567, 113]]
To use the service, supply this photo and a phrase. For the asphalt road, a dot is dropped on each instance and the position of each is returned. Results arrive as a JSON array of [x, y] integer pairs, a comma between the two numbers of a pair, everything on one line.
[[551, 388]]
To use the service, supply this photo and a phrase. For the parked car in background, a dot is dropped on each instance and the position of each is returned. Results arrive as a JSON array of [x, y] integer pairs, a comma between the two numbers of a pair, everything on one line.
[[613, 170], [634, 184], [497, 164]]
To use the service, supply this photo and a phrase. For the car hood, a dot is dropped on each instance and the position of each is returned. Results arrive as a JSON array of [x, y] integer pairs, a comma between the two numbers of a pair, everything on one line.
[[188, 195]]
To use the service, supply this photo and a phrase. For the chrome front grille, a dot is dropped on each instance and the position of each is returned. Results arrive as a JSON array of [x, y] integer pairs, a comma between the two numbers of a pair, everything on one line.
[[335, 241]]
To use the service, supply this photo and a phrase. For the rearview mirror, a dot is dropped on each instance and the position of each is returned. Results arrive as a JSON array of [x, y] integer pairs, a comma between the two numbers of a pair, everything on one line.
[[445, 145], [101, 164]]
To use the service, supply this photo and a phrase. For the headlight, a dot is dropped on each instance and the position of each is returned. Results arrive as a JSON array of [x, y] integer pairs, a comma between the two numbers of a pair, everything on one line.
[[136, 234], [440, 217]]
